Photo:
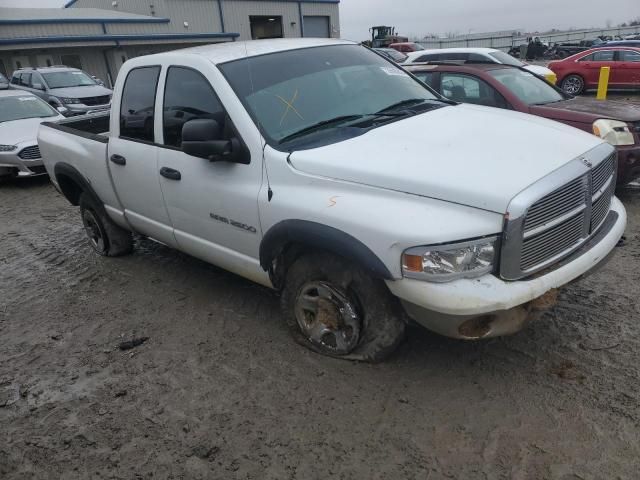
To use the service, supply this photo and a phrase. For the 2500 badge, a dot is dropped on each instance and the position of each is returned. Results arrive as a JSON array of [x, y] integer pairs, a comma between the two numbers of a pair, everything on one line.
[[233, 223]]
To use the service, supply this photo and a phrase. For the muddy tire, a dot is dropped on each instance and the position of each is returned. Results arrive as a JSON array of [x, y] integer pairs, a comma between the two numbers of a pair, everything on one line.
[[336, 309], [105, 237], [573, 85]]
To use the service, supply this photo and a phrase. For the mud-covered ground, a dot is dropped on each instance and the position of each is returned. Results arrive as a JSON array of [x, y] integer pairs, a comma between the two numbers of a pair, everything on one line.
[[219, 390]]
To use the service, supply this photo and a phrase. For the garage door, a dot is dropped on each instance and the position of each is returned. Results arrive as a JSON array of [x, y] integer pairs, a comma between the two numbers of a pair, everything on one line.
[[316, 26]]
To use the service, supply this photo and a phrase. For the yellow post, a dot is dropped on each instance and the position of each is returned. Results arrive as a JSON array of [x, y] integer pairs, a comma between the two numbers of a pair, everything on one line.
[[603, 83]]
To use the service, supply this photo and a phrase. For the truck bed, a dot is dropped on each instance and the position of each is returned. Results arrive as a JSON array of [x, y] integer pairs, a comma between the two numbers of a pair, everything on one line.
[[80, 143]]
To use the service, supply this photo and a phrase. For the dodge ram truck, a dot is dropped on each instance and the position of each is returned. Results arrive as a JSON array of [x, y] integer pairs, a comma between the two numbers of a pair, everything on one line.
[[322, 170]]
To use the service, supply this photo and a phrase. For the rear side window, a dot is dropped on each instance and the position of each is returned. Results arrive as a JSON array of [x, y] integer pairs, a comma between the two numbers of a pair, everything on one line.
[[429, 58], [138, 104], [629, 56], [187, 96]]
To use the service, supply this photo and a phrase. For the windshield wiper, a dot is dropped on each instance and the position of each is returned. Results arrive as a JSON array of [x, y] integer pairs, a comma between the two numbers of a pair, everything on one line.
[[320, 125], [403, 103]]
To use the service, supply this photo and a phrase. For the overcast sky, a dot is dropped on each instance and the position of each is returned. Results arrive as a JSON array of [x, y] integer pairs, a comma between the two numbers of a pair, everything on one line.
[[419, 17]]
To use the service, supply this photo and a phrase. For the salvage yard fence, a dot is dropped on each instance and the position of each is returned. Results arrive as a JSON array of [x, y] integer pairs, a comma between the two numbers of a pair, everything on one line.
[[506, 40]]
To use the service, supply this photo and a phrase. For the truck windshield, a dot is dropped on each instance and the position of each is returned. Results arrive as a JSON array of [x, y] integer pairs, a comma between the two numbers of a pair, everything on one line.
[[21, 107], [68, 79], [292, 92], [527, 87]]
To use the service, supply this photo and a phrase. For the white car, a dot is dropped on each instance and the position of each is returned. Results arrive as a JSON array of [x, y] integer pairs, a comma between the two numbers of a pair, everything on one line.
[[21, 114], [478, 55], [320, 169]]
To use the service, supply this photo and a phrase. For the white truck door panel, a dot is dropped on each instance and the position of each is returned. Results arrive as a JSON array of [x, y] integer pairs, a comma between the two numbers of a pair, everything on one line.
[[133, 158], [213, 206]]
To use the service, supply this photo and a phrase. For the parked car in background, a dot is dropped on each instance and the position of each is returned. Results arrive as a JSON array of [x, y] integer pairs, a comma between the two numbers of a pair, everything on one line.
[[64, 87], [622, 43], [21, 113], [4, 83], [406, 47], [392, 54], [581, 72], [332, 175], [517, 89], [566, 49], [478, 55]]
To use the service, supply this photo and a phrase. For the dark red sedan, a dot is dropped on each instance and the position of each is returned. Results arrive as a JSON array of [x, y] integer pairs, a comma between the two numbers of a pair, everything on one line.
[[513, 88], [581, 71]]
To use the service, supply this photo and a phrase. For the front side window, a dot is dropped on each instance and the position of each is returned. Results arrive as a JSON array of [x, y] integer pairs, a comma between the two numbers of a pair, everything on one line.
[[469, 89], [68, 79], [329, 87], [138, 104], [187, 96], [427, 77], [603, 56], [527, 87], [21, 107]]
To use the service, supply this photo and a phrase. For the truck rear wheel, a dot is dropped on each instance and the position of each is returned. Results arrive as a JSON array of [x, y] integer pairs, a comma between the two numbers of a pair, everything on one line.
[[105, 237], [335, 308]]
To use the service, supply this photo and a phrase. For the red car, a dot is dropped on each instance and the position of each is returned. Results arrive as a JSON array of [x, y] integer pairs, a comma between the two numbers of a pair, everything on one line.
[[406, 47], [581, 71], [513, 88]]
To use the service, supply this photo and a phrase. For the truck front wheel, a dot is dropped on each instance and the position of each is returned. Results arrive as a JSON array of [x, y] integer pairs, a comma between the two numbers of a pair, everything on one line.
[[336, 309], [105, 237]]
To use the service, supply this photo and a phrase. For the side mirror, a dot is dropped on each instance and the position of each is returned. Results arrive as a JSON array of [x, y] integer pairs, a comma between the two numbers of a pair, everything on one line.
[[38, 86], [203, 138], [62, 110]]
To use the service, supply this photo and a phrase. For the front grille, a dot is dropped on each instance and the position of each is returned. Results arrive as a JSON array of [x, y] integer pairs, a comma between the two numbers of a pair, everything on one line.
[[558, 222], [30, 153], [103, 100], [552, 242], [38, 170]]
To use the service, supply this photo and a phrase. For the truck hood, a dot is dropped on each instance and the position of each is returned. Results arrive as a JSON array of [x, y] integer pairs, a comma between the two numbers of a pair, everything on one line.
[[81, 92], [467, 154], [589, 110], [15, 132]]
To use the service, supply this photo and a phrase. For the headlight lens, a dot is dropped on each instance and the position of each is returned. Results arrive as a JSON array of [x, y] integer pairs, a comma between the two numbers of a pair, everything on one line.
[[7, 148], [613, 131], [69, 101], [445, 263]]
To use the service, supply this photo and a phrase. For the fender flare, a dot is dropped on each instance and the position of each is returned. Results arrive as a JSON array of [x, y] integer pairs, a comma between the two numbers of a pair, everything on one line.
[[63, 169], [323, 237]]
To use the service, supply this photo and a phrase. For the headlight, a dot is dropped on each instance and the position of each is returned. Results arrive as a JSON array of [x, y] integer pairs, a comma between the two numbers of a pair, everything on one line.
[[444, 263], [613, 131], [69, 101], [7, 148]]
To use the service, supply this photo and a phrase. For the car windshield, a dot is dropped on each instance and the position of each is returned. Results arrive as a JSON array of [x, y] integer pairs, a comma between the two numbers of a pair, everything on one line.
[[68, 79], [292, 91], [24, 106], [526, 86], [506, 59]]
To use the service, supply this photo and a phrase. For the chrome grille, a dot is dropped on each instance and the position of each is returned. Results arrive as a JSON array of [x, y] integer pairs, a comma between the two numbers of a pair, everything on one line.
[[30, 153], [545, 224], [552, 242], [602, 172], [556, 204]]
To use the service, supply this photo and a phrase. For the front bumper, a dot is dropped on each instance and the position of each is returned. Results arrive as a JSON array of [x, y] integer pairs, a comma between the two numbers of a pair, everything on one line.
[[445, 307], [10, 163], [628, 163]]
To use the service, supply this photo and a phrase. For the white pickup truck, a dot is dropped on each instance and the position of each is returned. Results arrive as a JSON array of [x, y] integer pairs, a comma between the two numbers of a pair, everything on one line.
[[322, 170]]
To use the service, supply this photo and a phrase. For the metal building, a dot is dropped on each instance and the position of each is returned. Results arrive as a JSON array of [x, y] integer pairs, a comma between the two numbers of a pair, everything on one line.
[[98, 36]]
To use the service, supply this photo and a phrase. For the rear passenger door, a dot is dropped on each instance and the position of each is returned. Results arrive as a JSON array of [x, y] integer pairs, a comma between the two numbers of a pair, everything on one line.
[[133, 157]]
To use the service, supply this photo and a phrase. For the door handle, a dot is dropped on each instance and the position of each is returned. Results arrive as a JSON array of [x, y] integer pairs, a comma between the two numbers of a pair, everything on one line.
[[118, 159], [170, 173]]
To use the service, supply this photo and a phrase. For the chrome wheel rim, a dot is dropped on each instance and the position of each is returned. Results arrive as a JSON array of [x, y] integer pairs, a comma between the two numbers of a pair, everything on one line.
[[572, 85], [328, 318], [93, 230]]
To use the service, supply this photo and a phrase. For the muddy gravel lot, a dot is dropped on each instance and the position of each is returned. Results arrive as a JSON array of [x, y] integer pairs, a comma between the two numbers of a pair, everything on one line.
[[219, 390]]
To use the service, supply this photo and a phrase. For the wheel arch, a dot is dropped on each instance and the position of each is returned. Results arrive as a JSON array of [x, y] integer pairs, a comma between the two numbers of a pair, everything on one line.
[[288, 239], [72, 184]]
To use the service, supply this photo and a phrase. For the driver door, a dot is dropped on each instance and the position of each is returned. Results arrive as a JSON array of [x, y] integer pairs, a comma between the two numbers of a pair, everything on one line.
[[213, 205]]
